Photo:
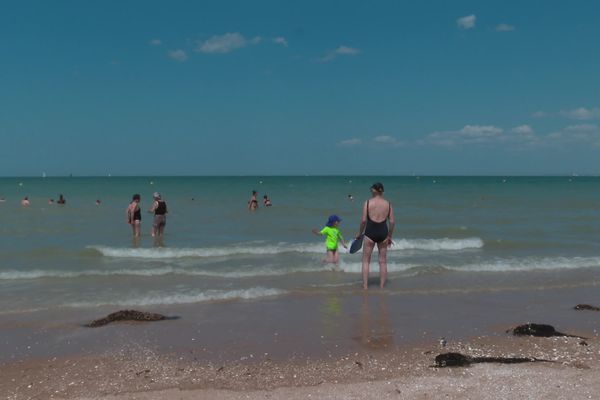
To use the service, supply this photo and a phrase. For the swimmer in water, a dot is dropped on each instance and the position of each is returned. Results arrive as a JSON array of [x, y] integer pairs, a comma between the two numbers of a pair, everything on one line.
[[134, 215], [25, 202], [266, 201], [61, 199], [159, 208], [253, 203]]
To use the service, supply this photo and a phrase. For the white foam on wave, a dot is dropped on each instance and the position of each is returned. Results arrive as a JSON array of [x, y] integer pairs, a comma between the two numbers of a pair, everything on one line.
[[166, 253], [437, 244], [494, 265], [185, 298], [273, 249], [150, 272], [530, 264]]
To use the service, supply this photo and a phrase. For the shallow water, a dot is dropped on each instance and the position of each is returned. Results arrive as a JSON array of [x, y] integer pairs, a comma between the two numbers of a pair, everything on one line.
[[454, 234]]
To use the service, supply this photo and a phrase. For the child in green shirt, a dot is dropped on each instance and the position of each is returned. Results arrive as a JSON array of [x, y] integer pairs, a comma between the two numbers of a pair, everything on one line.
[[333, 236]]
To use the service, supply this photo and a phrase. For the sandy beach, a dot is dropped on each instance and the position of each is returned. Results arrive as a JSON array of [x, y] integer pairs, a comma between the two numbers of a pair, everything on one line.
[[571, 371]]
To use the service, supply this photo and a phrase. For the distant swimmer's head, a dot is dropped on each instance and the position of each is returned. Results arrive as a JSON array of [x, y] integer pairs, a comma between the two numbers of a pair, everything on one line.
[[333, 220], [377, 187], [136, 197], [156, 195]]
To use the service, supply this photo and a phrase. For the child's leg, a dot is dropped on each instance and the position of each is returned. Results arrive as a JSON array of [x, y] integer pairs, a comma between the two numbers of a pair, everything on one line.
[[336, 257], [330, 256]]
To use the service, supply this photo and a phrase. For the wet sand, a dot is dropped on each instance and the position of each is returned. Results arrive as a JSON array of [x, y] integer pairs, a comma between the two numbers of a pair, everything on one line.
[[348, 345]]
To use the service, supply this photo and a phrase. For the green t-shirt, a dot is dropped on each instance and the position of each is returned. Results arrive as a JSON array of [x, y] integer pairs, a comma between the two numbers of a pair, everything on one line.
[[332, 237]]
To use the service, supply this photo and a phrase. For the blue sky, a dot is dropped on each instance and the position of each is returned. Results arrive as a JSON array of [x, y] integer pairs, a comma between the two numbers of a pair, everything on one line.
[[311, 87]]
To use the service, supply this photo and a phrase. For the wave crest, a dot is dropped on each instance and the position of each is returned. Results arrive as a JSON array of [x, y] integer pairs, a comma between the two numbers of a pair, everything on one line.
[[274, 249], [187, 298]]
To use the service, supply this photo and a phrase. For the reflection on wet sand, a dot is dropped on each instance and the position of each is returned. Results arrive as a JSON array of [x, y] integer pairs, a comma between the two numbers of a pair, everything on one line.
[[375, 328]]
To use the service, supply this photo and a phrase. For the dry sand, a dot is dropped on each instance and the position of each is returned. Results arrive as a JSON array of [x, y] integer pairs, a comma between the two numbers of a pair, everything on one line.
[[138, 373]]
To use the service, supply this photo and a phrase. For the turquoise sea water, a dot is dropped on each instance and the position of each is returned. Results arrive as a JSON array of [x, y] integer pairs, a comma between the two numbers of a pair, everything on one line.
[[453, 234]]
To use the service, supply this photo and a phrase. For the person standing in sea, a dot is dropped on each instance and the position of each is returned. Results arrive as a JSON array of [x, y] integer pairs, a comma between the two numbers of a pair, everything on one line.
[[159, 208], [253, 202], [377, 224], [134, 215]]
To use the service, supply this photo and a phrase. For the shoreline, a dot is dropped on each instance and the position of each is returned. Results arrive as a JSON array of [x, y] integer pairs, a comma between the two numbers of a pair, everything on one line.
[[330, 346]]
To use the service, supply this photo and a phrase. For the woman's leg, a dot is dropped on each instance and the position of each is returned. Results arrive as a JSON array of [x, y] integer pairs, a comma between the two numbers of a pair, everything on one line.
[[382, 247], [368, 246]]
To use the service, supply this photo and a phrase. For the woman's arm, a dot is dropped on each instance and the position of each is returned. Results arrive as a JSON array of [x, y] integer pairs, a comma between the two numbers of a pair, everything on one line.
[[392, 224], [363, 220]]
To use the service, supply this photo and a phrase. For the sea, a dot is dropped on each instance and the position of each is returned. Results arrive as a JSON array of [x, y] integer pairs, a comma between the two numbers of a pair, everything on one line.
[[453, 235]]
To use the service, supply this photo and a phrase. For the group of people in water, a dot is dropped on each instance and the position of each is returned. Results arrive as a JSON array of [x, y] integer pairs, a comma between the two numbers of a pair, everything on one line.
[[253, 202], [376, 226], [61, 201], [133, 215]]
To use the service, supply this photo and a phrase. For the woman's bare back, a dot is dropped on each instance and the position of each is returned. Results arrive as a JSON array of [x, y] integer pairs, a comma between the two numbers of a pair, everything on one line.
[[379, 209]]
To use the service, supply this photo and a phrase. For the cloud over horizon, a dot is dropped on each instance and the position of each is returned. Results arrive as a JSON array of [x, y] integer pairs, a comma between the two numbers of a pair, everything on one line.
[[388, 140], [581, 113]]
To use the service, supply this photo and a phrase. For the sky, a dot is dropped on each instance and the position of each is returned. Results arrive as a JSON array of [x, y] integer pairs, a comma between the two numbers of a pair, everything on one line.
[[496, 87]]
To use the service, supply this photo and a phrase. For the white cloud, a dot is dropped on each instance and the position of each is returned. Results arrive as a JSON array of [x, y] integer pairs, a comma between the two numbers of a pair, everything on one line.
[[340, 51], [178, 55], [582, 113], [156, 42], [504, 28], [281, 40], [582, 128], [387, 140], [226, 43], [350, 142], [469, 134], [466, 22], [345, 50], [477, 131], [522, 130], [539, 114], [580, 134]]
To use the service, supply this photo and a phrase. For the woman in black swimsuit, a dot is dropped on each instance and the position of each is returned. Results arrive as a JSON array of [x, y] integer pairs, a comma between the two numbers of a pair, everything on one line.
[[374, 223], [134, 215]]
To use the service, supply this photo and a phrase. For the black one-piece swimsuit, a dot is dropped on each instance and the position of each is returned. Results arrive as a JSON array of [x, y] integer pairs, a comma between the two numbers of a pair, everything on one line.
[[376, 231]]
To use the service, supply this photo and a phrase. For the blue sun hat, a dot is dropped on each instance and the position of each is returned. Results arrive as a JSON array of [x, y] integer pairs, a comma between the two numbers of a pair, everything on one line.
[[333, 219]]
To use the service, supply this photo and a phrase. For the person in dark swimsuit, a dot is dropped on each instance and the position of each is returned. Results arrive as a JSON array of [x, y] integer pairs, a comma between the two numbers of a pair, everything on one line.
[[253, 202], [377, 214], [134, 215], [377, 231], [159, 208]]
